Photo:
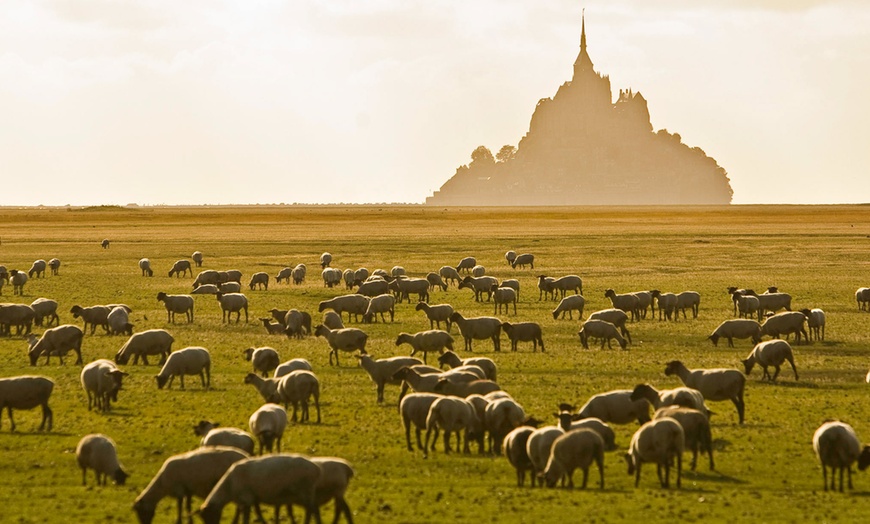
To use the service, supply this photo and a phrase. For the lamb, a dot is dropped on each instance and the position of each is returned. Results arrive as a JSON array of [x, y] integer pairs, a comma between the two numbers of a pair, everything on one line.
[[514, 446], [837, 447], [667, 304], [214, 435], [478, 271], [566, 283], [332, 320], [355, 304], [603, 330], [747, 305], [18, 278], [325, 260], [616, 407], [452, 415], [380, 304], [382, 371], [617, 317], [407, 286], [19, 315], [683, 396], [259, 280], [187, 361], [737, 328], [57, 341], [524, 260], [184, 476], [145, 266], [45, 308], [54, 265], [433, 340], [266, 387], [545, 287], [575, 449], [436, 314], [696, 428], [209, 276], [38, 268], [510, 256], [176, 304], [119, 322], [770, 353], [347, 339], [331, 277], [773, 302], [273, 328], [524, 332], [150, 342], [452, 360], [299, 274], [197, 258], [264, 359], [414, 408], [568, 305], [101, 380], [105, 243], [27, 392], [714, 384], [500, 418], [466, 264], [784, 324], [479, 285], [98, 452], [94, 315], [267, 425], [435, 280], [658, 441], [538, 447], [181, 268], [503, 296], [292, 365], [626, 302], [284, 274], [450, 274], [862, 297], [688, 299], [816, 323], [233, 303], [479, 328]]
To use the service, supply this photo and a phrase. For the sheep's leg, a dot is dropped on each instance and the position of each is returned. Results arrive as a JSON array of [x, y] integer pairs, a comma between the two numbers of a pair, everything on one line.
[[659, 473], [637, 474], [11, 420], [447, 442], [426, 447], [741, 407], [679, 470]]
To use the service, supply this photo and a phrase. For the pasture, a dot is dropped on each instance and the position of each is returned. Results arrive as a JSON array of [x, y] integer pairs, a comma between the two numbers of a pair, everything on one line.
[[766, 469]]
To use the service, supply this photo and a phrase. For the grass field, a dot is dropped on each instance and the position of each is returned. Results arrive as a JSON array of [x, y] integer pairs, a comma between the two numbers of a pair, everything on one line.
[[766, 469]]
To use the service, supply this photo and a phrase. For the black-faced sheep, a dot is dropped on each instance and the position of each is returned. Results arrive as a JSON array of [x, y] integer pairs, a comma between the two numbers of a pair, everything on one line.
[[770, 353], [233, 303], [187, 361], [714, 384], [837, 447], [176, 304], [27, 392], [524, 332], [347, 339], [659, 441], [181, 268], [98, 452], [142, 344], [479, 328]]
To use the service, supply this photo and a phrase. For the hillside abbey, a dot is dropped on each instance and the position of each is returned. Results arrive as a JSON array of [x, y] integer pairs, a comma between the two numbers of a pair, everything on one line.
[[584, 149]]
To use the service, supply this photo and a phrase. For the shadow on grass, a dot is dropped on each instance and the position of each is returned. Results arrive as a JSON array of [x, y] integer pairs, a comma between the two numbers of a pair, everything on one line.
[[712, 476], [36, 433]]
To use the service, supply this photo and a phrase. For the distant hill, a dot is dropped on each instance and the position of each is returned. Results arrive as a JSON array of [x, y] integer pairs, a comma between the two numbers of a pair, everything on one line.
[[584, 149]]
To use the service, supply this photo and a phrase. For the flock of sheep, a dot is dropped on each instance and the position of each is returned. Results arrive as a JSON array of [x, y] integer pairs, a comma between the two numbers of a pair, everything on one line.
[[465, 401]]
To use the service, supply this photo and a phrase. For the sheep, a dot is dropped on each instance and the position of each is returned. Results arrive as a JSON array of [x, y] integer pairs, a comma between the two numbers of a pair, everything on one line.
[[373, 288], [785, 323], [275, 480], [214, 435], [332, 320], [626, 302], [397, 271], [284, 274], [181, 268], [142, 344], [862, 297], [575, 449], [145, 266], [524, 332], [479, 285], [435, 280], [567, 422], [102, 378], [197, 258], [266, 387], [38, 268], [347, 275], [299, 274], [209, 276], [27, 392], [538, 447], [259, 280], [514, 446], [232, 303], [452, 360], [414, 409], [291, 365], [331, 277], [425, 380], [503, 296], [105, 243], [325, 260], [19, 315], [57, 341], [54, 265], [184, 476], [462, 388], [406, 286], [436, 314], [361, 274], [45, 308], [616, 407], [355, 304], [773, 302], [479, 328], [98, 452], [545, 287], [267, 425], [737, 328], [176, 304], [466, 264], [264, 359], [187, 361], [273, 328], [433, 340], [696, 429], [688, 299], [837, 447], [617, 317], [229, 287], [18, 278], [500, 418], [452, 415], [294, 324], [568, 305], [816, 323], [335, 475], [566, 283], [94, 315], [770, 353], [645, 301], [747, 305], [510, 256], [660, 441], [382, 371], [206, 289], [347, 339], [667, 304], [682, 396], [523, 260], [603, 330], [478, 271], [119, 322], [380, 304], [450, 274], [296, 388]]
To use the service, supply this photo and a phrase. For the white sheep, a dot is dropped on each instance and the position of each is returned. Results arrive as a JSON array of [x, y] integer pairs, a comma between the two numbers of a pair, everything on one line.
[[454, 415], [524, 332], [659, 441], [514, 446], [267, 425], [119, 322], [296, 388], [567, 422], [299, 274], [229, 287], [523, 260], [176, 304], [273, 328], [145, 266], [770, 353], [414, 409], [436, 314], [382, 370], [21, 316], [714, 384], [773, 302], [142, 344], [397, 271], [266, 387], [500, 418], [354, 304], [332, 320], [577, 448], [478, 328], [452, 360], [347, 275], [361, 274], [264, 359], [564, 284], [57, 341], [816, 323], [862, 297], [603, 330], [688, 299], [667, 304], [331, 277], [435, 280], [372, 288], [422, 379], [545, 287], [379, 305], [433, 340], [98, 452], [784, 324], [197, 258], [27, 392], [291, 365], [259, 280], [682, 396], [181, 268], [285, 274], [214, 435], [335, 475], [38, 269], [626, 302], [478, 271], [206, 289], [101, 380], [232, 303], [18, 279], [45, 308], [837, 446], [466, 264], [347, 339], [617, 317], [93, 315], [405, 287], [463, 388], [187, 361], [616, 407], [54, 265], [696, 429], [479, 285], [209, 276], [538, 447], [568, 305], [294, 324], [510, 256], [736, 328], [747, 305], [450, 274], [503, 296], [325, 260]]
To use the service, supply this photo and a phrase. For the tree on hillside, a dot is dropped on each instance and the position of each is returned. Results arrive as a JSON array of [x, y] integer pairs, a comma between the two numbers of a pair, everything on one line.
[[506, 153], [482, 156]]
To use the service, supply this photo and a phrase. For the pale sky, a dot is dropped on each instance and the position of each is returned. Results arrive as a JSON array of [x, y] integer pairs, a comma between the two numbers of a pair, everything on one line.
[[257, 101]]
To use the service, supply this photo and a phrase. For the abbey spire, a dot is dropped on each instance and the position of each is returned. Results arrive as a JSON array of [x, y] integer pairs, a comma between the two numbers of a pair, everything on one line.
[[583, 62]]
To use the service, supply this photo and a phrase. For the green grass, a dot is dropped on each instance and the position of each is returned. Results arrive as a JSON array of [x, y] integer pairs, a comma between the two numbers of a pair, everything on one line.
[[766, 468]]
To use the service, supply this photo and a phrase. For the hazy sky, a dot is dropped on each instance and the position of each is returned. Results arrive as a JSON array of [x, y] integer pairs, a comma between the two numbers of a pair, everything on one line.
[[257, 101]]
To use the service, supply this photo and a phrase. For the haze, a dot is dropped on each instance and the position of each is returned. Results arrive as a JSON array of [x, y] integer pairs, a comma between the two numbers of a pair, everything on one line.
[[200, 102]]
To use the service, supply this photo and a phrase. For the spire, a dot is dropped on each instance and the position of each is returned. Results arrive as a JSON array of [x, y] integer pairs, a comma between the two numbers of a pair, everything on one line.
[[583, 32], [583, 61]]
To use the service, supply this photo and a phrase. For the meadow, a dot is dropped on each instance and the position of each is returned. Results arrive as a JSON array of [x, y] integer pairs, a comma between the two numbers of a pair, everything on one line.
[[766, 468]]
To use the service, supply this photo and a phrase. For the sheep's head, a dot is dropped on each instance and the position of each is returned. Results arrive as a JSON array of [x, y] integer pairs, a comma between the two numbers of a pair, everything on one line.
[[161, 381], [609, 293], [748, 364], [630, 461], [120, 476], [204, 427], [642, 391], [864, 458], [249, 353], [673, 367], [715, 339]]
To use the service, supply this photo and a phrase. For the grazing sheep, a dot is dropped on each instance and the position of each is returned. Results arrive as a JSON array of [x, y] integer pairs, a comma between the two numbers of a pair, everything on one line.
[[361, 274], [714, 384], [568, 305], [347, 339], [466, 264], [177, 304], [526, 259], [233, 303], [407, 286], [784, 324], [325, 260], [414, 409], [273, 328], [294, 324], [816, 323], [145, 266], [38, 268], [566, 283], [433, 340], [426, 380], [296, 388], [150, 342], [19, 315], [454, 415], [667, 304], [862, 297], [688, 299], [616, 407], [463, 389], [380, 304], [514, 446], [436, 314], [513, 284], [452, 360], [644, 302], [603, 330], [284, 274], [450, 274], [292, 365], [45, 308], [737, 328], [18, 278], [187, 361], [683, 396], [331, 277], [659, 441], [503, 296], [567, 422], [197, 258], [696, 428], [101, 380], [510, 256], [500, 417], [214, 435], [209, 276], [397, 271], [479, 285], [347, 275], [181, 268], [332, 320], [229, 287], [98, 452], [57, 341], [355, 304], [524, 332], [574, 449], [837, 447], [264, 359], [538, 447], [479, 328], [259, 280], [435, 280], [373, 288], [105, 243], [335, 475], [27, 392], [54, 265], [626, 302], [770, 353], [94, 315], [267, 425], [545, 287], [207, 289], [478, 271], [747, 305], [382, 370], [299, 274], [118, 321], [184, 476], [617, 317], [773, 302]]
